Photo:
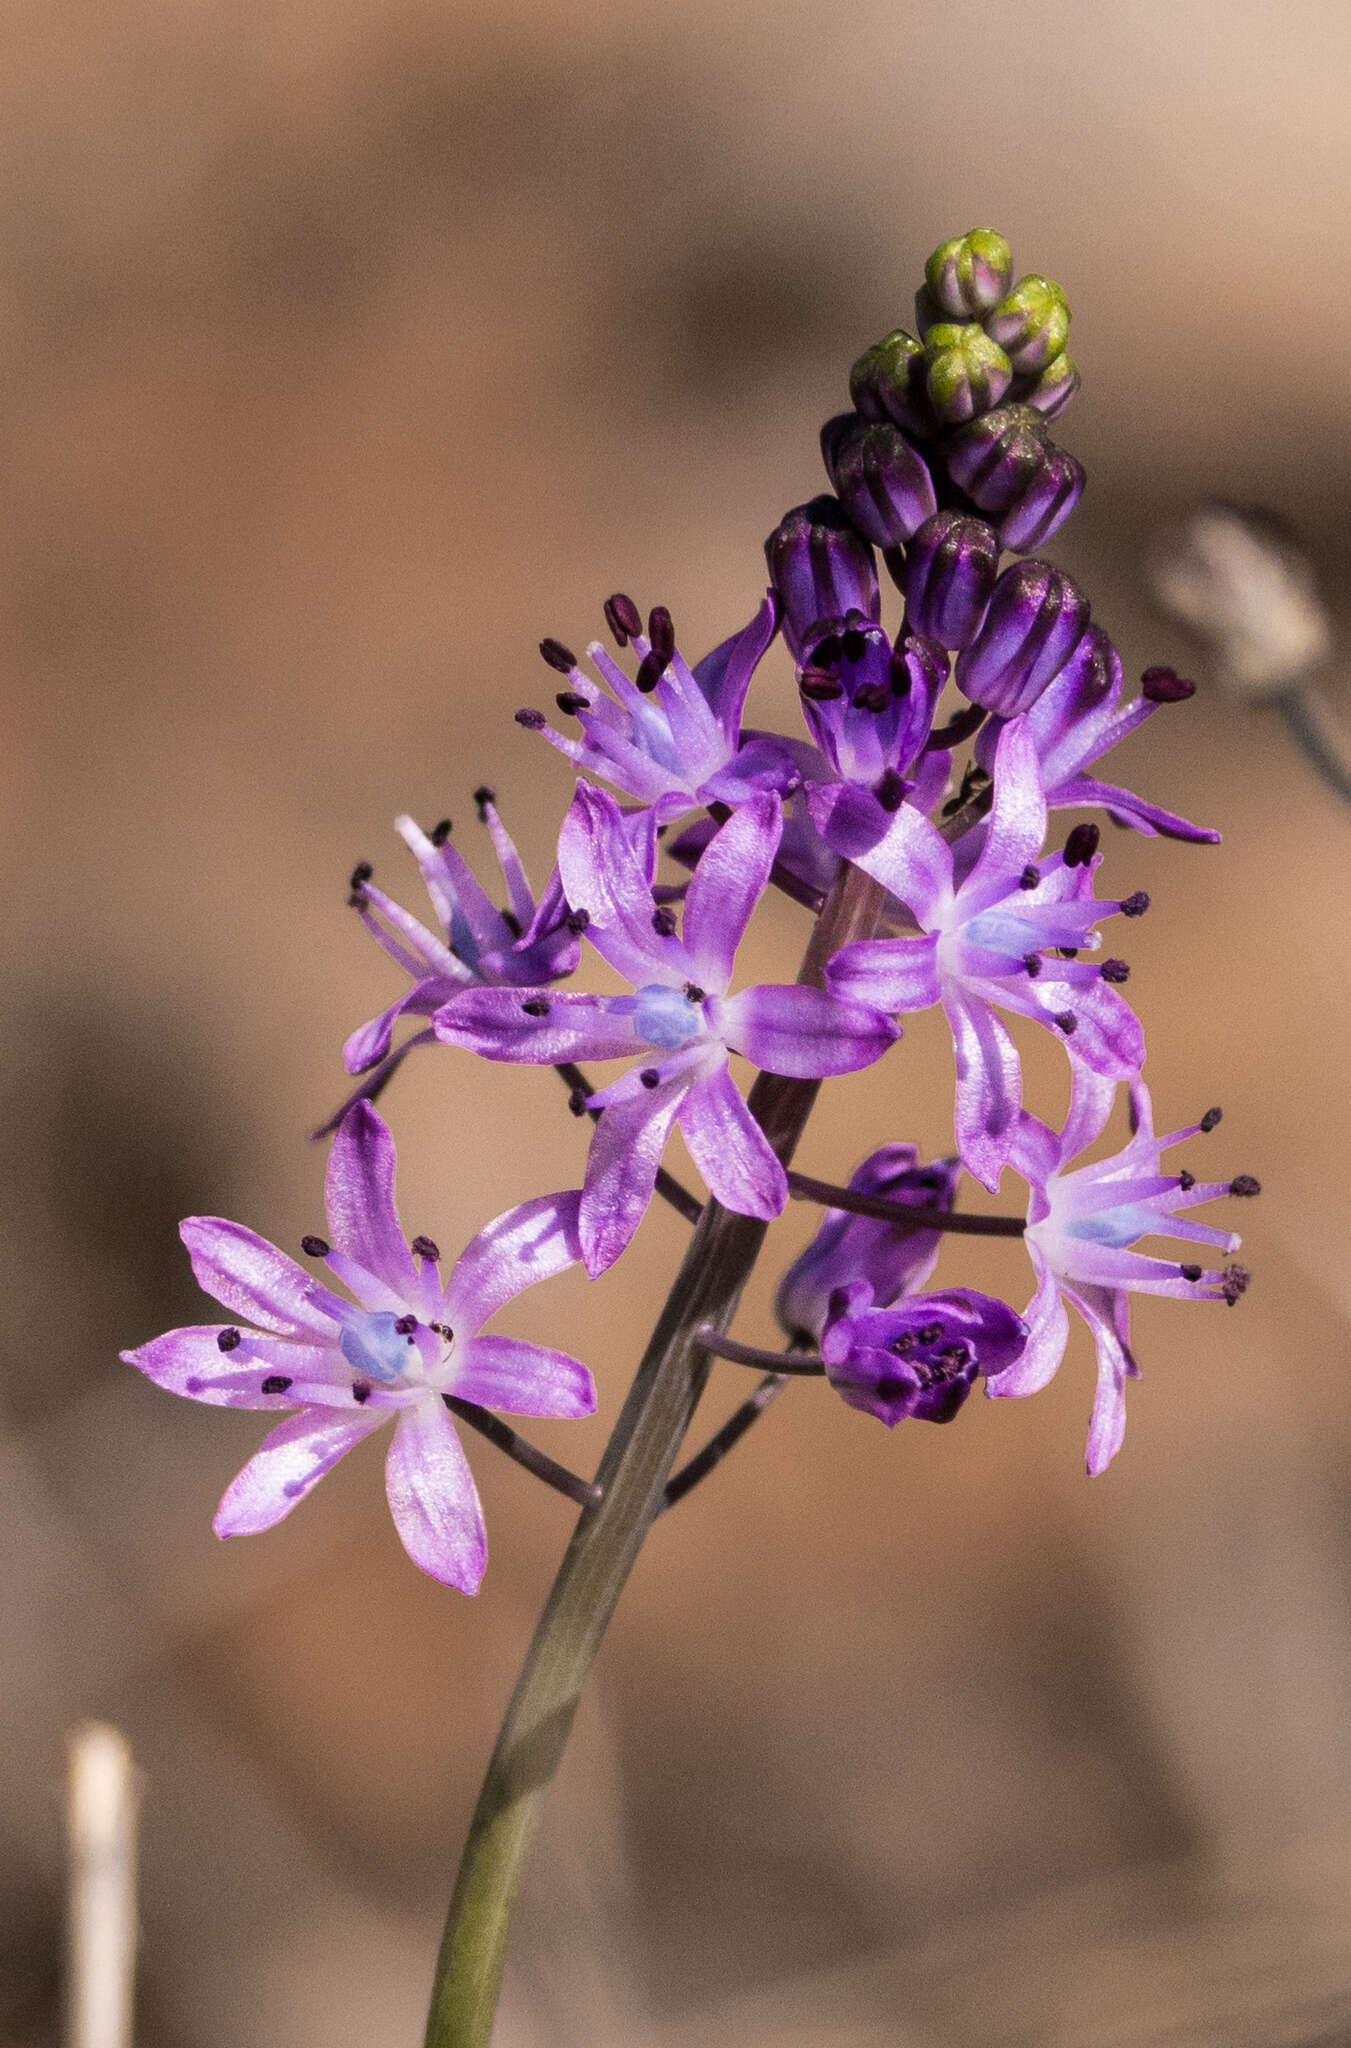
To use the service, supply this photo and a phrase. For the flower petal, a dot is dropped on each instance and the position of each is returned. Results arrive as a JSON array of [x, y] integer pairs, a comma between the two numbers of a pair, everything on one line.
[[1048, 1329], [369, 1043], [1107, 1424], [913, 861], [359, 1198], [602, 876], [1129, 809], [191, 1362], [728, 883], [292, 1459], [724, 675], [989, 1086], [497, 1024], [805, 1032], [525, 1379], [621, 1171], [531, 1242], [729, 1148], [433, 1499], [888, 974], [1017, 825], [247, 1274]]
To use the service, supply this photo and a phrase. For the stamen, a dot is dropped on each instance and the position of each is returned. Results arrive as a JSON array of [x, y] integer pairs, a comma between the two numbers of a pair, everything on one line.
[[1192, 1273], [577, 1101], [361, 1393], [1186, 1181], [1029, 878], [818, 687], [1165, 686], [650, 1078], [1067, 952], [1032, 962], [425, 1248], [623, 618], [719, 813], [483, 796], [931, 1333], [228, 1340], [854, 643], [1081, 845], [1210, 1119], [443, 1330], [360, 875], [1136, 905], [558, 656], [904, 1344], [661, 633], [537, 1006], [315, 1247], [276, 1383], [651, 669], [511, 921], [959, 727], [570, 702], [440, 832], [1115, 971], [890, 789], [1235, 1280], [664, 921], [694, 994], [406, 1325], [874, 697], [533, 721], [1245, 1184], [1067, 1022], [577, 921]]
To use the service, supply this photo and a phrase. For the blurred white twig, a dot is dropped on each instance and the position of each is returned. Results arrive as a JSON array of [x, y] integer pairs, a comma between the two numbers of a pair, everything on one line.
[[101, 1894]]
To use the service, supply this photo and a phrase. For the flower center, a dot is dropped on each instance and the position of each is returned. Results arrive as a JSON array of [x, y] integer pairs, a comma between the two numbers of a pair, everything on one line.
[[667, 1016], [375, 1347]]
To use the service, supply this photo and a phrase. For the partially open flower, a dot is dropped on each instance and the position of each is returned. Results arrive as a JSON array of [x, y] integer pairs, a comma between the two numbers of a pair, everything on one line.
[[920, 1358], [893, 1258]]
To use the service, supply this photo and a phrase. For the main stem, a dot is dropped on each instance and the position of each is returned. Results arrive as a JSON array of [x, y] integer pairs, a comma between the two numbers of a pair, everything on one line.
[[605, 1544]]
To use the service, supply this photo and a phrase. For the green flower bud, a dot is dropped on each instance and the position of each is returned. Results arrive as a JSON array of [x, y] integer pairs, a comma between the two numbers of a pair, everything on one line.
[[887, 383], [970, 274], [1031, 323], [965, 372], [1050, 393]]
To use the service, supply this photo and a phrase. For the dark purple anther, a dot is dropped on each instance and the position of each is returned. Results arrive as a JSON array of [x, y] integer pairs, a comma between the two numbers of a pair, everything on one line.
[[1192, 1273], [406, 1325], [228, 1340], [361, 1393], [360, 875], [577, 1101], [1136, 905], [1036, 618], [483, 796], [1115, 971], [623, 618], [820, 569], [880, 479], [1165, 686], [1029, 878], [1067, 1022], [570, 702], [950, 570], [661, 632], [440, 832], [536, 1006], [650, 1078], [1186, 1180], [1081, 844], [315, 1247], [651, 669], [1245, 1184], [425, 1248], [664, 921], [577, 922], [1032, 962], [558, 656], [1210, 1119], [890, 790], [276, 1383], [533, 721]]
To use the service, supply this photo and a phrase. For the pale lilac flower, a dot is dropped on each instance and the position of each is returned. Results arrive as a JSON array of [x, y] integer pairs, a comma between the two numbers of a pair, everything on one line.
[[920, 1358], [523, 945], [894, 1260], [1076, 718], [672, 737], [1081, 1223], [345, 1369], [680, 1018], [991, 935]]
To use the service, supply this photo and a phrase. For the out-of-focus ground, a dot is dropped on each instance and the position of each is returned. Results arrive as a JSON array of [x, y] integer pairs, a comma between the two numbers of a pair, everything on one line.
[[347, 348]]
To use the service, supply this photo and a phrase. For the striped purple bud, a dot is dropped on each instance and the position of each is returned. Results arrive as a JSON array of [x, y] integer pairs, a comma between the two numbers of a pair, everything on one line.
[[880, 479], [1008, 465], [887, 383], [820, 569], [1052, 391], [1035, 621], [950, 570], [1031, 324], [970, 274], [965, 372]]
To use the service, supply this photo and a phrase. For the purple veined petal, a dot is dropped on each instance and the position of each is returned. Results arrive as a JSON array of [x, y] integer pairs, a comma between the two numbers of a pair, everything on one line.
[[724, 675], [1130, 809], [602, 876], [291, 1460], [1107, 1035], [989, 1086], [433, 1499], [374, 1294], [247, 1274], [914, 861], [1017, 823], [763, 763], [1107, 1424], [696, 735], [497, 1024], [191, 1362], [407, 940], [1048, 1329], [524, 1379], [728, 883], [1036, 1154], [730, 1150], [369, 1044], [531, 1242], [621, 1171], [1092, 1097], [804, 1032], [609, 754], [888, 974], [682, 1064], [520, 895], [359, 1197]]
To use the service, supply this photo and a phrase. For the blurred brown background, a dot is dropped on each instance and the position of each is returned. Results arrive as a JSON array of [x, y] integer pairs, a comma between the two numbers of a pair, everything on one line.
[[347, 349]]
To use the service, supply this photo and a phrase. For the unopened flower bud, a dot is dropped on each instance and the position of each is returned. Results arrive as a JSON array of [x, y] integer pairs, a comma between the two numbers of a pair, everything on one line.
[[1053, 389], [950, 570], [887, 383], [969, 274], [965, 371], [1007, 464], [820, 569], [1031, 323], [1045, 505], [1036, 618], [881, 480], [848, 1247]]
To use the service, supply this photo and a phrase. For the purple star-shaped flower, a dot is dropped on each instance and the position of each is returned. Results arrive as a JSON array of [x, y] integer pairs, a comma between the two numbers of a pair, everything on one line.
[[1076, 718], [847, 1247], [673, 738], [680, 1018], [345, 1369], [521, 946], [991, 937], [1081, 1224], [921, 1357]]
